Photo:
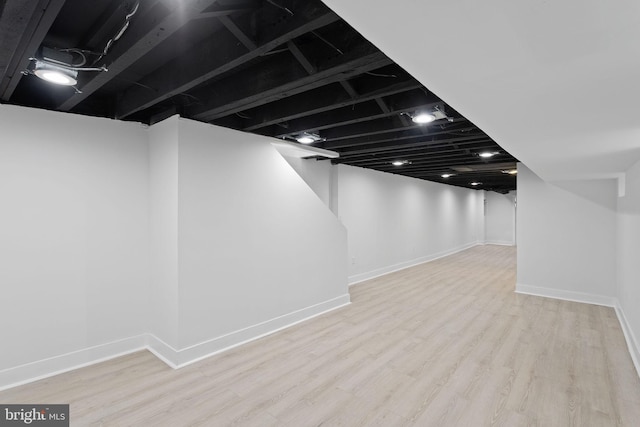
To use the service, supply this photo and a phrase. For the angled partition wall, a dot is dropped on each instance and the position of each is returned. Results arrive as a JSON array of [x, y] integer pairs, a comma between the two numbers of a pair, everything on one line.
[[182, 238], [251, 248]]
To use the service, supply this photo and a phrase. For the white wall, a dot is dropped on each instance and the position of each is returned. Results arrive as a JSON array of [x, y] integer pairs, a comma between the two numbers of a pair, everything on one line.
[[183, 238], [627, 254], [163, 228], [567, 238], [73, 237], [255, 243], [500, 218], [395, 221], [317, 174]]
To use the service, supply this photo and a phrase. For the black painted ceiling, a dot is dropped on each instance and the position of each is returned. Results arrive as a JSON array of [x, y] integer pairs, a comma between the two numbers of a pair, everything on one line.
[[273, 67]]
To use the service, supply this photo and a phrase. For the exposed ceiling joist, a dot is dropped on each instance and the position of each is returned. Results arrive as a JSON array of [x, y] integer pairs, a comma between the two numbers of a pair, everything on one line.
[[447, 144], [216, 55], [349, 89], [238, 33], [297, 53], [252, 97], [158, 20], [373, 147], [339, 118], [358, 130], [280, 69], [23, 26], [309, 104], [400, 138], [419, 159], [420, 147]]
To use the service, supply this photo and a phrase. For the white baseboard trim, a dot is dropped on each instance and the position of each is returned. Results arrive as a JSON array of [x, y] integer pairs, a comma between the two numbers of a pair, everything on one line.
[[565, 295], [178, 358], [499, 243], [362, 277], [629, 336], [41, 369]]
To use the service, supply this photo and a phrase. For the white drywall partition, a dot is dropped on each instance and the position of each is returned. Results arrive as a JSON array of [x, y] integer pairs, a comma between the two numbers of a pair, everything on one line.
[[257, 249], [395, 221], [567, 238], [500, 218], [317, 174], [627, 256], [73, 240], [163, 230], [182, 238]]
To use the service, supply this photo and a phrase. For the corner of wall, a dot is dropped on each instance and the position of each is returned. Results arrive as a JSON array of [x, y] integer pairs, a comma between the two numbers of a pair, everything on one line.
[[555, 293], [629, 336]]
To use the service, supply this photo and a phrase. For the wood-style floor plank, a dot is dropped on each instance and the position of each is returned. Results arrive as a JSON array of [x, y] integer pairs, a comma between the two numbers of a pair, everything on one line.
[[446, 343]]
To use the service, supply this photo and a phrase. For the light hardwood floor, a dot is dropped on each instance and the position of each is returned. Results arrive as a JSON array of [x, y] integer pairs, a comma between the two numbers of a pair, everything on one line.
[[447, 343]]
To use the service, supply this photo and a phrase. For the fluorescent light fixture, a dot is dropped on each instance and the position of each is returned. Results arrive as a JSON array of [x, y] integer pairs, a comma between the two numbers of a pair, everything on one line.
[[423, 118], [474, 183], [446, 175], [55, 74], [487, 154], [291, 149], [400, 162]]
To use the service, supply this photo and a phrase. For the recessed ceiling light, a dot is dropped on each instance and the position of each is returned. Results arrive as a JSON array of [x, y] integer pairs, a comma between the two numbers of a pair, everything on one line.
[[54, 74], [487, 154], [305, 140], [475, 183], [308, 138], [399, 162], [423, 118], [446, 175]]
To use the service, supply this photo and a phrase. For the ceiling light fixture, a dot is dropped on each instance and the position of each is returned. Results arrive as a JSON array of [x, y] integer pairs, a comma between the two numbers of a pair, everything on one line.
[[475, 183], [446, 175], [487, 154], [423, 118], [308, 138], [511, 171], [400, 162], [54, 74]]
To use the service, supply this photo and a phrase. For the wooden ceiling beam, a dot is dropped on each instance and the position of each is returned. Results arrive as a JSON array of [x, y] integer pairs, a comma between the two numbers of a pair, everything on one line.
[[308, 104], [103, 28], [349, 89], [245, 90], [343, 118], [23, 26], [402, 134], [419, 158], [358, 130], [215, 56], [153, 23], [301, 58], [408, 149], [238, 33]]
